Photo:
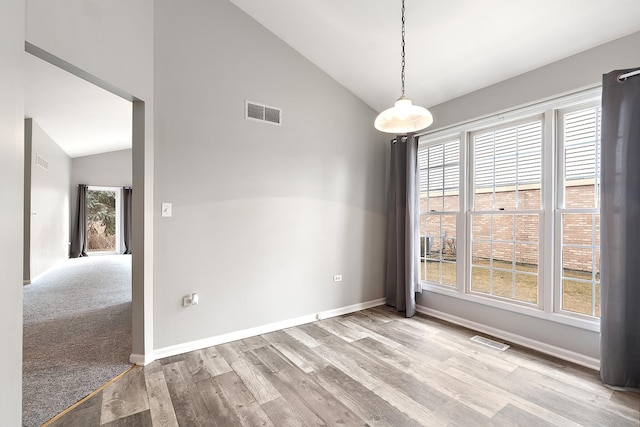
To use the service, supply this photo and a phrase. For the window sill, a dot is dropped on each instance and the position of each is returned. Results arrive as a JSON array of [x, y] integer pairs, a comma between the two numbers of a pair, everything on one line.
[[565, 319]]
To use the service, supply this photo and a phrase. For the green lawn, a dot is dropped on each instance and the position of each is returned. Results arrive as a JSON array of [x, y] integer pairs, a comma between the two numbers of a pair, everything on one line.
[[577, 296]]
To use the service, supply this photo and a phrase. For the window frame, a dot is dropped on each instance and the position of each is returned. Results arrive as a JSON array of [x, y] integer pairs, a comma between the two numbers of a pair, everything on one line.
[[560, 208], [547, 301], [516, 211], [444, 139], [118, 216]]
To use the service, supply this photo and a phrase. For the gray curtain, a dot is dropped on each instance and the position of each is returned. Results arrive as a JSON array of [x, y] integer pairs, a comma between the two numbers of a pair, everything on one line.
[[620, 232], [403, 218], [79, 234], [126, 219]]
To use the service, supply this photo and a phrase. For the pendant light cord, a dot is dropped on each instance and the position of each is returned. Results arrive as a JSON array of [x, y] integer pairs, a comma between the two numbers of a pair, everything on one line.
[[402, 73]]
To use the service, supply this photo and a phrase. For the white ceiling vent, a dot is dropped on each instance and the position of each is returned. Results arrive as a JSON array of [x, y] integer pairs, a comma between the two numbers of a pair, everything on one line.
[[42, 162], [263, 113]]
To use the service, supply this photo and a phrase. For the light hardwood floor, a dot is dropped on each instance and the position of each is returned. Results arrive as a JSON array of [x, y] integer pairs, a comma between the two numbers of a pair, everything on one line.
[[373, 367]]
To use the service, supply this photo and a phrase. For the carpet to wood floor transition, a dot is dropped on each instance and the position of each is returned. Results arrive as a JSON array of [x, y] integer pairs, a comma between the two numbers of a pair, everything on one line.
[[77, 333]]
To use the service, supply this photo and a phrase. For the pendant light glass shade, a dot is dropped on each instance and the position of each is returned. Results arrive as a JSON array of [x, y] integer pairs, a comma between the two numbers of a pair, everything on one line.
[[403, 117]]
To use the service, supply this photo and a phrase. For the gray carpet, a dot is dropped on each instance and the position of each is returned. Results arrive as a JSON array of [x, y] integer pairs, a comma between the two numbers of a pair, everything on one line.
[[77, 333]]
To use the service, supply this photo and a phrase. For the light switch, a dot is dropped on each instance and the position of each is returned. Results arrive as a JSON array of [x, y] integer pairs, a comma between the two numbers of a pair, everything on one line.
[[166, 209]]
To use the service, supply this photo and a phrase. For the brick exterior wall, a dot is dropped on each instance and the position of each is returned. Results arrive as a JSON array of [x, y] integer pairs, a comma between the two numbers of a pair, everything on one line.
[[577, 228]]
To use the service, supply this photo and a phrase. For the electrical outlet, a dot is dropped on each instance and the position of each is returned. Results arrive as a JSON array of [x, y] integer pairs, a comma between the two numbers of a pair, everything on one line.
[[337, 278], [189, 300]]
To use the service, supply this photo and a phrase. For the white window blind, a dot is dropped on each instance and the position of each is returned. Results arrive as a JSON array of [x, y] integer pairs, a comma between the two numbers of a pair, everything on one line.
[[578, 272], [508, 156], [439, 167], [582, 150]]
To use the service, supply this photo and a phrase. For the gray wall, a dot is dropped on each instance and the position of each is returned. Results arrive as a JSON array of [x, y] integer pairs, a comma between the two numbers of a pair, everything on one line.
[[11, 194], [570, 74], [263, 216], [48, 192], [324, 166]]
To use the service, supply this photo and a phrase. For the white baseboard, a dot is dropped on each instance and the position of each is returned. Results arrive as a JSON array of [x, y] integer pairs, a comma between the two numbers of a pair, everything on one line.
[[140, 359], [251, 332], [568, 355], [561, 353]]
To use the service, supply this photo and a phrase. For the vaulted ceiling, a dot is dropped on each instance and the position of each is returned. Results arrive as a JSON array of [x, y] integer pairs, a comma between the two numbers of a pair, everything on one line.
[[453, 47]]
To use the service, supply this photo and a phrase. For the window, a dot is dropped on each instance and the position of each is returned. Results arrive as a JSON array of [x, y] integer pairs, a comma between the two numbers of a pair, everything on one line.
[[439, 166], [509, 210], [578, 216], [103, 219], [506, 211]]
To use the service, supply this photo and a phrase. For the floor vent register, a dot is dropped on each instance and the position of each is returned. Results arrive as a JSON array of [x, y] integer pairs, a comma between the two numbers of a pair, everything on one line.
[[490, 343]]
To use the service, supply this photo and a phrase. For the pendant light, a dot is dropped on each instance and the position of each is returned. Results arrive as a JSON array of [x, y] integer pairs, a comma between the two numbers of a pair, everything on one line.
[[403, 117]]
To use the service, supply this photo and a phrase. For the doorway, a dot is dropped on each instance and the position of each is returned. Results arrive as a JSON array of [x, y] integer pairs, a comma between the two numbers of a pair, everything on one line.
[[106, 222], [141, 207]]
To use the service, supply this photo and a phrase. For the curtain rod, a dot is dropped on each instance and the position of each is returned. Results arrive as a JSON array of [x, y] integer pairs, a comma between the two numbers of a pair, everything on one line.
[[625, 76]]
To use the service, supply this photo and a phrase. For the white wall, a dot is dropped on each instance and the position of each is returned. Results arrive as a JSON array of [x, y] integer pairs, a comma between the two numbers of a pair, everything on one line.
[[48, 191], [113, 42], [570, 74], [263, 216], [111, 169], [11, 194]]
